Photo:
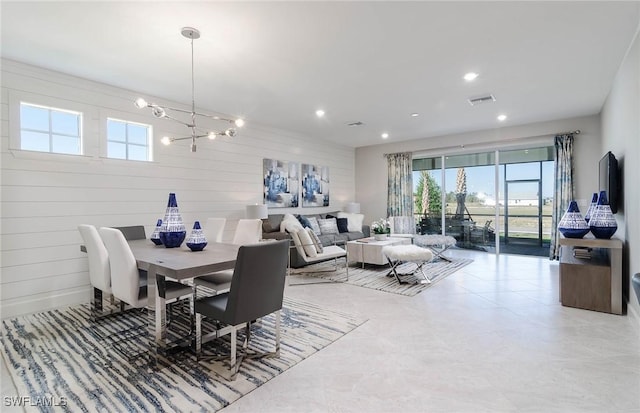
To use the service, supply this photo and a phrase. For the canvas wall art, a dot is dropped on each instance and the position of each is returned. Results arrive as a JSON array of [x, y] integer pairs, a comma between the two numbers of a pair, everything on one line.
[[315, 185], [281, 183]]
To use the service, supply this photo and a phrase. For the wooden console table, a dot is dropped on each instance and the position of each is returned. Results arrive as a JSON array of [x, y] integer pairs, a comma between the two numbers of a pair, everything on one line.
[[591, 283]]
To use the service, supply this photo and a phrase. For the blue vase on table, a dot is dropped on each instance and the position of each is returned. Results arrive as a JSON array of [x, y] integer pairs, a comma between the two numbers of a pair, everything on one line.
[[592, 207], [602, 223], [572, 224], [196, 240], [173, 231], [155, 237]]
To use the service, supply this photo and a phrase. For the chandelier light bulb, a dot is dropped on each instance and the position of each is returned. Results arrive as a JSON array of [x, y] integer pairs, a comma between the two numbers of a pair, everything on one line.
[[239, 122], [230, 132], [140, 103], [211, 135], [165, 140]]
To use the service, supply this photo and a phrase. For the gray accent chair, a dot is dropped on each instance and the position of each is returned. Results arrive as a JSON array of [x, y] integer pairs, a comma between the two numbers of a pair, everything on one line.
[[257, 290]]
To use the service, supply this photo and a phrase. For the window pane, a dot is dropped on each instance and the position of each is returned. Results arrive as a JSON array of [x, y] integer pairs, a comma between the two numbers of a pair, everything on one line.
[[64, 123], [117, 150], [34, 141], [65, 144], [116, 131], [137, 134], [137, 153], [32, 117]]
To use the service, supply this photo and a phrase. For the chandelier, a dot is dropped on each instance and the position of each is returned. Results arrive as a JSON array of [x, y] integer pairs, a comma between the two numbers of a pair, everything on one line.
[[196, 132]]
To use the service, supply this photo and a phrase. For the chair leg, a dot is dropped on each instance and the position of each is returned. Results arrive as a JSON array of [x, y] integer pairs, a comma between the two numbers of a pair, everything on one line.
[[198, 335], [278, 316], [96, 304]]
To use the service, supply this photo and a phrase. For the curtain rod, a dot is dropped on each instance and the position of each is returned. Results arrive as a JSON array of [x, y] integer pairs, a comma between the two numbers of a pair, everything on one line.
[[471, 145]]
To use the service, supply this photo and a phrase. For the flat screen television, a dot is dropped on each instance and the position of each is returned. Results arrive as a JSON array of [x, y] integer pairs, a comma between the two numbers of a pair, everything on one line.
[[609, 178]]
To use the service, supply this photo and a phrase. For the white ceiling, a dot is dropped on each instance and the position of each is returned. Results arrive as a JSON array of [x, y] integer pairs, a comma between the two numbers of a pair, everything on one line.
[[275, 63]]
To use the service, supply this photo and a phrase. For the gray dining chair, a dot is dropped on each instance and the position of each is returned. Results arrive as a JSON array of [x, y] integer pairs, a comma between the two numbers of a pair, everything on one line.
[[132, 232], [257, 290]]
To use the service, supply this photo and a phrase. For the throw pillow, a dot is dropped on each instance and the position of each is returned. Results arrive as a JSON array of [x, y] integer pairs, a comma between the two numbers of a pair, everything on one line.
[[355, 220], [304, 221], [290, 224], [328, 226], [343, 225], [316, 240], [307, 244], [298, 244], [313, 223]]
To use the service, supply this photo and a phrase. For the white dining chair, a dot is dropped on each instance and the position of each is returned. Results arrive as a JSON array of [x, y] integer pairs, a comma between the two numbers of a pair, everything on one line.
[[248, 231], [214, 228], [128, 283], [99, 269]]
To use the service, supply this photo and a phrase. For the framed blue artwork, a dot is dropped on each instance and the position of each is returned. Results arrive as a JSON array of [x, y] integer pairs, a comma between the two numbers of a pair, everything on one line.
[[281, 183], [315, 185]]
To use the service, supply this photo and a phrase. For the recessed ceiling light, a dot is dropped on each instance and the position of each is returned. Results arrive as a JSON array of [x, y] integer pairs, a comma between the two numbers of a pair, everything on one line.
[[319, 113], [471, 76], [385, 135], [415, 115], [502, 118]]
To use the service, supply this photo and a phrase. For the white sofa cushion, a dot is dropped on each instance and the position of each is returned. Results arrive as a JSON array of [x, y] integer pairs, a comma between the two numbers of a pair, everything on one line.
[[354, 221], [290, 224]]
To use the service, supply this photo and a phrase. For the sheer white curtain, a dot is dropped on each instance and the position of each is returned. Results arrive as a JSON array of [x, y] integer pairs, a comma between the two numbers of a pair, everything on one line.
[[400, 191], [563, 187]]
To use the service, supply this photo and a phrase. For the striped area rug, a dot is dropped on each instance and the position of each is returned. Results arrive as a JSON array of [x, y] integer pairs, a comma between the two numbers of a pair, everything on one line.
[[374, 276], [58, 357]]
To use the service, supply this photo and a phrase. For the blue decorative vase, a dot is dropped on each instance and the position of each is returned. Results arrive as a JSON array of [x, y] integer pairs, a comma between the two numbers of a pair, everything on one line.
[[602, 223], [572, 225], [155, 237], [173, 231], [196, 240], [592, 207]]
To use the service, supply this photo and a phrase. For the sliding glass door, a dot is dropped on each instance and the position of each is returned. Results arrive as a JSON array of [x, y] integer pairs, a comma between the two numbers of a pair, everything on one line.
[[456, 195]]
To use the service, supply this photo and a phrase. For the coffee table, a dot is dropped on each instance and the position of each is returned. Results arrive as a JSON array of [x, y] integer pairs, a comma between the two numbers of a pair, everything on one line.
[[369, 251]]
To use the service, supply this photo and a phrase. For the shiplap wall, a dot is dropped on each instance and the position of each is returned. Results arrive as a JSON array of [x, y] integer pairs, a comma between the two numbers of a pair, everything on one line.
[[45, 196]]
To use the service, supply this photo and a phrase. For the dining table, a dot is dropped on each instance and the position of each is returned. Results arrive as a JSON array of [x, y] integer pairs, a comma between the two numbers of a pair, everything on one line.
[[180, 264]]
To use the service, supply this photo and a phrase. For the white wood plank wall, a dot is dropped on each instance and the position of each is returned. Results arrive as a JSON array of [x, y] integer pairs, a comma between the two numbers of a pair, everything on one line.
[[45, 196]]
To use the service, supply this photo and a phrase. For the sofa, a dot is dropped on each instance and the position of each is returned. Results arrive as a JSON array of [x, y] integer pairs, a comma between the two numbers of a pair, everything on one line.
[[272, 228]]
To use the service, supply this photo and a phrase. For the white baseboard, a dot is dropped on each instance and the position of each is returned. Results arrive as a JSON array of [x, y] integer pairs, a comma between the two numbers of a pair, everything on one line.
[[35, 305]]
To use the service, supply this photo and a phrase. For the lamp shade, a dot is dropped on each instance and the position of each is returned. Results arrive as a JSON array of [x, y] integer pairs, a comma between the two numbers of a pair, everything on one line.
[[257, 211], [352, 208]]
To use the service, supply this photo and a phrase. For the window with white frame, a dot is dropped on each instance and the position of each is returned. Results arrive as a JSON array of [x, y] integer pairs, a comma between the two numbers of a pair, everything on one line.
[[47, 129], [128, 140]]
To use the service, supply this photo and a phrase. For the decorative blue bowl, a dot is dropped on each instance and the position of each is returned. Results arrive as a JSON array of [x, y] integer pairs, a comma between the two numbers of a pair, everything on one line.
[[156, 241], [199, 246], [573, 233], [173, 239]]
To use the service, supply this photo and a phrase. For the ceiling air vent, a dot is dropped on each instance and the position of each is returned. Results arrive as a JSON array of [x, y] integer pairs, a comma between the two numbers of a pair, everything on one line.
[[354, 124], [481, 99]]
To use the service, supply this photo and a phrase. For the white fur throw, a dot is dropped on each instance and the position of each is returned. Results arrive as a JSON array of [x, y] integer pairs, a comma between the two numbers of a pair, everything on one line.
[[407, 253]]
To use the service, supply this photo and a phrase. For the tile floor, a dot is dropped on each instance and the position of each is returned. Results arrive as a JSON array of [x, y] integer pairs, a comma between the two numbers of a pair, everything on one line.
[[490, 338]]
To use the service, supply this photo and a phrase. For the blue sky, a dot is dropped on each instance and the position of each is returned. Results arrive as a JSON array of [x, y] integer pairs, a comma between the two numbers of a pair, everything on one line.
[[480, 179]]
